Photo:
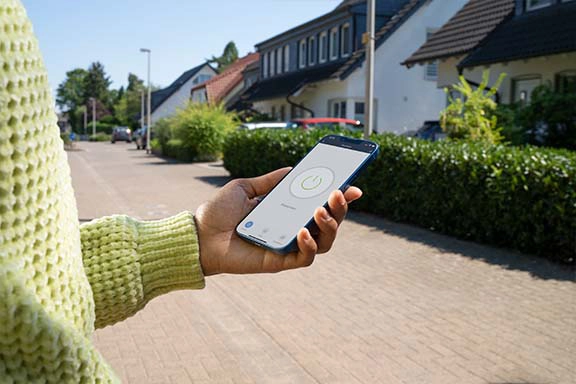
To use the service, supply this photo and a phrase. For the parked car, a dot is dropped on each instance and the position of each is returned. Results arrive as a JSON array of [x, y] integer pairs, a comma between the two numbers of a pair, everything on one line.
[[430, 130], [263, 124], [326, 123], [121, 134]]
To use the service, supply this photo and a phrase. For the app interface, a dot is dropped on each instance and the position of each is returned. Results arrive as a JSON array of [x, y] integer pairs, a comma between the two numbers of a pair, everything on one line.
[[279, 217]]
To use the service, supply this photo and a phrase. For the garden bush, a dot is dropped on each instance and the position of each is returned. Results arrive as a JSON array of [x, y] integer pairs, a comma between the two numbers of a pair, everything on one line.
[[100, 136], [522, 198]]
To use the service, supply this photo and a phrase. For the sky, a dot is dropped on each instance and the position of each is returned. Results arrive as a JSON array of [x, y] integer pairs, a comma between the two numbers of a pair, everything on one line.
[[180, 33]]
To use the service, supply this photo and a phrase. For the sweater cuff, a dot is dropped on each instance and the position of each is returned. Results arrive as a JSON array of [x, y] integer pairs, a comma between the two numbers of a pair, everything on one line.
[[169, 255]]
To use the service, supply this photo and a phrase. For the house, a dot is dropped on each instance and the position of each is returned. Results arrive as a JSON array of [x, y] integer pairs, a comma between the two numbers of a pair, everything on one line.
[[166, 101], [318, 69], [226, 86], [532, 41]]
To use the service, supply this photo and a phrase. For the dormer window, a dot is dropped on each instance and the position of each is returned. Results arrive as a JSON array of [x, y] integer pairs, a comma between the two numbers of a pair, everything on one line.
[[286, 58], [312, 50], [345, 40], [265, 65], [279, 61], [333, 43], [302, 53], [272, 63], [323, 42], [537, 4]]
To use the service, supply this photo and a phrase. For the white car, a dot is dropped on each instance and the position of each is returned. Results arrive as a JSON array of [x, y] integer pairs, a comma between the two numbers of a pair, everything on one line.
[[263, 124]]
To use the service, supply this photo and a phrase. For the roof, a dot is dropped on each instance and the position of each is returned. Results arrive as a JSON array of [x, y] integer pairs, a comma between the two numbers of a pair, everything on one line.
[[464, 31], [219, 86], [161, 95], [281, 86], [546, 31], [380, 36]]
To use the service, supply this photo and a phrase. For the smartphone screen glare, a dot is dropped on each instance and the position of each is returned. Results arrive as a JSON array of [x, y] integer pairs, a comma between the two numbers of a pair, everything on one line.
[[291, 204]]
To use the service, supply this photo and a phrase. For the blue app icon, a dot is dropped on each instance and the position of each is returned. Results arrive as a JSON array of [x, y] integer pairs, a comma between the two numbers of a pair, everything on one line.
[[248, 224]]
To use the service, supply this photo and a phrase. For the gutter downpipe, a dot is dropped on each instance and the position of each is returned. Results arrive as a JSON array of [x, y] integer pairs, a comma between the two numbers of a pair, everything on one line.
[[296, 104]]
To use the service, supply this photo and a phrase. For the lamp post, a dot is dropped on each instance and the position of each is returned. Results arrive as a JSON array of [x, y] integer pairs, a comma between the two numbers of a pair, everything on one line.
[[148, 125], [142, 109], [93, 100], [369, 42]]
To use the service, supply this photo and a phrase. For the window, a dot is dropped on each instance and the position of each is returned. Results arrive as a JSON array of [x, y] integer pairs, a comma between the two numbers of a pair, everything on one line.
[[359, 111], [566, 82], [312, 50], [323, 42], [265, 65], [431, 69], [286, 58], [273, 112], [334, 44], [279, 61], [536, 4], [282, 113], [338, 108], [345, 40], [201, 78], [302, 53], [272, 63], [522, 88]]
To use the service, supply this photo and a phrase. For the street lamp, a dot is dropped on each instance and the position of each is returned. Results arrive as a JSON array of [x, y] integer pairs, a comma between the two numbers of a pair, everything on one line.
[[369, 43], [149, 127], [93, 100]]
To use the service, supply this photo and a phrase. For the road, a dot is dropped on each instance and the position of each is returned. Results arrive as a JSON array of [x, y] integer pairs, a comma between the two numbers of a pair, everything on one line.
[[391, 303]]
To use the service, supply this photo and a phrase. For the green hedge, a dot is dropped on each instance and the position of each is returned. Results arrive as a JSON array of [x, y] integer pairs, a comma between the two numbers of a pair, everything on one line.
[[522, 198]]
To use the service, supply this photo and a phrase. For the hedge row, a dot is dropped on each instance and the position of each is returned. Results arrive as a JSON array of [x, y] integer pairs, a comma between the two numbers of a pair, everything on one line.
[[522, 198]]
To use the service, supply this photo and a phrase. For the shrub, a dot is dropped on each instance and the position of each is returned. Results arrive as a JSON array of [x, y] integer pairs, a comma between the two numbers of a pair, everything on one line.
[[472, 115], [201, 130], [522, 198]]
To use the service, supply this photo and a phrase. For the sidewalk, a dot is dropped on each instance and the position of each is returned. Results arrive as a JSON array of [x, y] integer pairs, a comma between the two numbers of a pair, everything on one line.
[[390, 304]]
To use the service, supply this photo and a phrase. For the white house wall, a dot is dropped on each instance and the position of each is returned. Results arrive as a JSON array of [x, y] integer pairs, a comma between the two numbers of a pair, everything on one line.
[[547, 67], [179, 98]]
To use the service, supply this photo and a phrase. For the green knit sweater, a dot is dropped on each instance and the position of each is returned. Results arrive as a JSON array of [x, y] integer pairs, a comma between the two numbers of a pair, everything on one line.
[[59, 281]]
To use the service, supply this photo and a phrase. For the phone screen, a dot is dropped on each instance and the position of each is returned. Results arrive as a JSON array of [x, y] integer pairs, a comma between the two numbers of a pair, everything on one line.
[[291, 204]]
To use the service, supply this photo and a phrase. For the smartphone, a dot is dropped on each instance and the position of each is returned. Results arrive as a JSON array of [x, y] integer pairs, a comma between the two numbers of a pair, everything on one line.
[[333, 163]]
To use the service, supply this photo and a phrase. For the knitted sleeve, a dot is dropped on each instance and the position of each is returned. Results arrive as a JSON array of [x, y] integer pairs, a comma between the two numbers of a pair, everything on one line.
[[129, 262]]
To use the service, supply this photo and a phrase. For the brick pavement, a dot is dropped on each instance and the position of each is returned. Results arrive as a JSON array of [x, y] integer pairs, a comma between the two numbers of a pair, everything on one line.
[[390, 304]]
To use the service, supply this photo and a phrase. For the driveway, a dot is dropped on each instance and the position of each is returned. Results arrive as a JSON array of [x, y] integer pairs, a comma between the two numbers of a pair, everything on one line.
[[391, 303]]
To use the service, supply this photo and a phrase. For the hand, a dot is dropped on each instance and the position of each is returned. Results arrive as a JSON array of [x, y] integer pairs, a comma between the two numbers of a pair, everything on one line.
[[222, 251]]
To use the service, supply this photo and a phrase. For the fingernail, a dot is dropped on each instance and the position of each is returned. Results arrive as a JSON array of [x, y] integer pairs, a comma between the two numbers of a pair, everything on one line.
[[307, 235], [341, 199], [324, 214]]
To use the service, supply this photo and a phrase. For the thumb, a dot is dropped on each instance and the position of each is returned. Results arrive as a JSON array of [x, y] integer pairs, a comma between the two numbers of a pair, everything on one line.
[[261, 185]]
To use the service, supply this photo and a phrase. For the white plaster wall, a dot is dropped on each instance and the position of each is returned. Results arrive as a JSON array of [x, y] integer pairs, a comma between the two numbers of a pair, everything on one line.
[[180, 97], [547, 67]]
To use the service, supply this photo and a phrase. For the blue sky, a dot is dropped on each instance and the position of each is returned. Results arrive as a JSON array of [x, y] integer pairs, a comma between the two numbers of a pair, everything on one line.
[[180, 33]]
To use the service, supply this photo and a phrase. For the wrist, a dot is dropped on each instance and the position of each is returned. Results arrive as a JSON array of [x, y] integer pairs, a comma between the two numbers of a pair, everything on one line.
[[208, 264]]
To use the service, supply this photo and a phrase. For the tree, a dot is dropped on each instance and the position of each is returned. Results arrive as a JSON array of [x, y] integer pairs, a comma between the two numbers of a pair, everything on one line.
[[127, 107], [229, 56], [70, 93], [472, 116], [96, 84]]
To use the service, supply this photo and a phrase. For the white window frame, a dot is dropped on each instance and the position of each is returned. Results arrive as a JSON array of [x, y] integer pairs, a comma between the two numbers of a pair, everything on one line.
[[334, 44], [333, 103], [265, 65], [302, 51], [272, 63], [432, 64], [279, 63], [323, 47], [534, 7], [342, 41], [311, 53], [286, 58], [514, 95]]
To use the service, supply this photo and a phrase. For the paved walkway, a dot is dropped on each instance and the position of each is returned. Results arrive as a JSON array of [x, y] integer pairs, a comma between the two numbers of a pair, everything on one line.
[[390, 304]]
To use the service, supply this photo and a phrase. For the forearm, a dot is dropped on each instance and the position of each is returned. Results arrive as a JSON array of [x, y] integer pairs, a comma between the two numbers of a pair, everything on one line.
[[129, 262]]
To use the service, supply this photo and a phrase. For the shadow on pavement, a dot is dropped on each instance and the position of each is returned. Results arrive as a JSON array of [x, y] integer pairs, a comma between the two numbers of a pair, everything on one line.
[[508, 259], [217, 181]]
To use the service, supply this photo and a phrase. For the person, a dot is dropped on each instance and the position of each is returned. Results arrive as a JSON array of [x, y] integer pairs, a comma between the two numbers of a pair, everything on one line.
[[60, 281]]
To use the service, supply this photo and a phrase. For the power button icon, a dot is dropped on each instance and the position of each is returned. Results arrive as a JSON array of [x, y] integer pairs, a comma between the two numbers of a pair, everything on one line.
[[312, 182]]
